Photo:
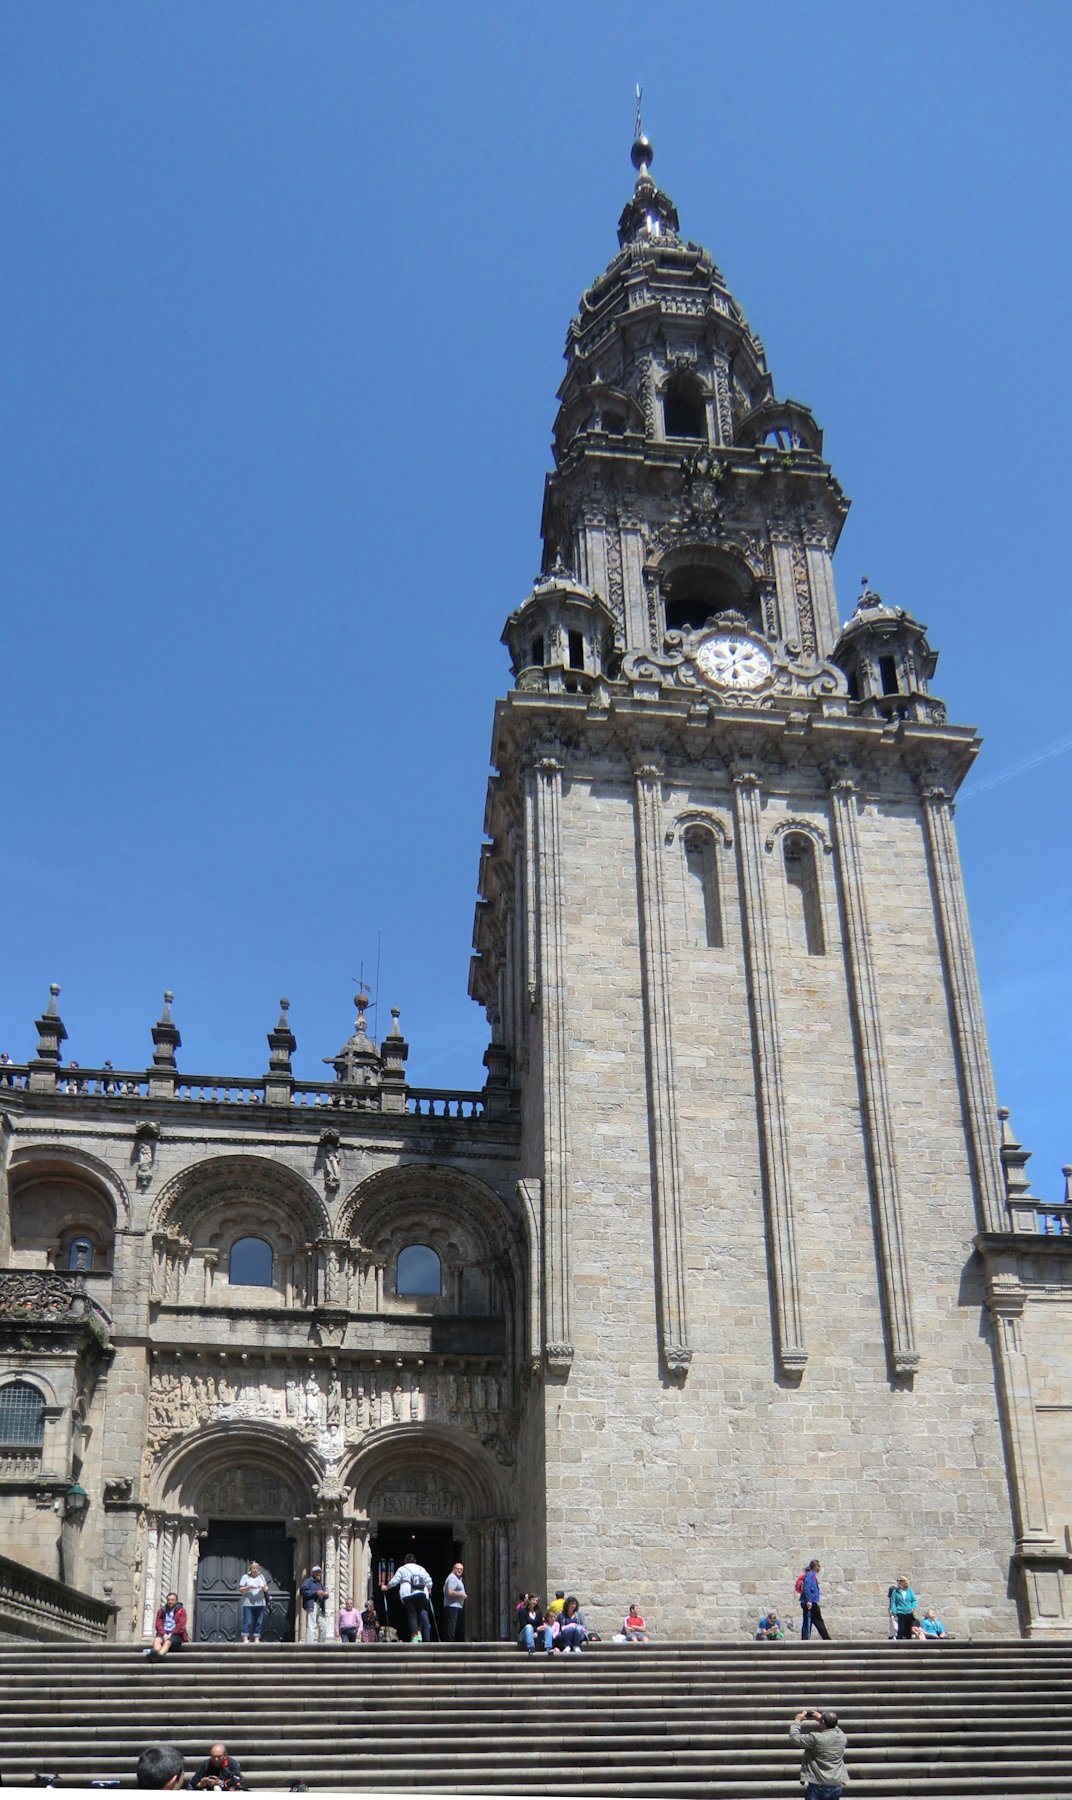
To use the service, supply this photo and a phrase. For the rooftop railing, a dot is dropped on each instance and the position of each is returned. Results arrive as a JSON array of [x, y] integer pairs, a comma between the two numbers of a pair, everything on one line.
[[119, 1087]]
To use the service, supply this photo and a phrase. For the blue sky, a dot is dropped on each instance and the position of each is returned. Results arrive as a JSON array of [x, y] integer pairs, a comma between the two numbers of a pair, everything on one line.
[[287, 289]]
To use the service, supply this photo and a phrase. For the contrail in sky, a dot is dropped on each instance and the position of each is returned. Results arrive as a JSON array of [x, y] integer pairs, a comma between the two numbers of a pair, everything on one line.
[[1019, 768]]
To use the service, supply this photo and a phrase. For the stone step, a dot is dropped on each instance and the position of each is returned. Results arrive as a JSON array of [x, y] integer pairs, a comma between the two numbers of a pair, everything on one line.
[[627, 1721]]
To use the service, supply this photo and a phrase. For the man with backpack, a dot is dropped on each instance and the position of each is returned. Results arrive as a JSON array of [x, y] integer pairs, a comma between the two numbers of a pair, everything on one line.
[[808, 1589], [414, 1586]]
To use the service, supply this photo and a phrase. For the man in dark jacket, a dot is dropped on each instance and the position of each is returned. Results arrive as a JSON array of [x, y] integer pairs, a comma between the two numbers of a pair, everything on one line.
[[811, 1613], [822, 1769], [217, 1771], [313, 1595]]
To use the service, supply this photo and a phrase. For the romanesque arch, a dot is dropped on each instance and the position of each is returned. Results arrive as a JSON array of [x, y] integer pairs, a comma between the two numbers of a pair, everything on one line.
[[482, 1244], [226, 1493], [211, 1206], [58, 1197], [427, 1482]]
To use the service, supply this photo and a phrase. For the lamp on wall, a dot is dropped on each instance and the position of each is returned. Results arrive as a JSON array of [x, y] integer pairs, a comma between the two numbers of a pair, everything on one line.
[[75, 1501]]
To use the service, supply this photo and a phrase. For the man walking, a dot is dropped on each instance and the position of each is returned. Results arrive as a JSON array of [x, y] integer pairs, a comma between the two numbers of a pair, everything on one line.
[[414, 1585], [822, 1768], [454, 1598], [811, 1612]]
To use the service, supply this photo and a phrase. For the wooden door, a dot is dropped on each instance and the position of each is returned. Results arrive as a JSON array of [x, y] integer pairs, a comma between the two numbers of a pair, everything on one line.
[[228, 1549]]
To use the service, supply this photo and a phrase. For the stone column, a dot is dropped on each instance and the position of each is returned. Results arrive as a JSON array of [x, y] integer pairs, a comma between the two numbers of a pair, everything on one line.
[[501, 1626], [169, 1538], [329, 1264], [788, 610], [332, 1533], [151, 1575], [1005, 1299], [361, 1572], [211, 1258], [551, 989], [774, 1139], [878, 1123], [634, 588], [969, 1031], [666, 1177], [824, 598]]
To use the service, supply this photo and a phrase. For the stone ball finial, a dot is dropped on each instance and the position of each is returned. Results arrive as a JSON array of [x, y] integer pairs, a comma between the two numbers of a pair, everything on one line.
[[284, 1005], [642, 153], [168, 996]]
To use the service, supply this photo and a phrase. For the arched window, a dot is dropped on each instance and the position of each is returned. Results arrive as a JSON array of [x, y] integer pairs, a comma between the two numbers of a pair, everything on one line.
[[695, 592], [80, 1254], [22, 1414], [703, 906], [418, 1271], [684, 413], [250, 1263], [802, 887]]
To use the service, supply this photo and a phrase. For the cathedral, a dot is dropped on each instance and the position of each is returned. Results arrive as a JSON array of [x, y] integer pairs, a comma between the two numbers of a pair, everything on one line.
[[732, 1261]]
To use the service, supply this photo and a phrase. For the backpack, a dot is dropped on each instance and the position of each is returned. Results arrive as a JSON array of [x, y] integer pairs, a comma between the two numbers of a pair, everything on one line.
[[798, 1586]]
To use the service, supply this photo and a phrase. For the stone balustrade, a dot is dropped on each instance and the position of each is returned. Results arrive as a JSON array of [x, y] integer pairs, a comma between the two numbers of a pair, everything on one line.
[[1035, 1218], [35, 1606], [115, 1088]]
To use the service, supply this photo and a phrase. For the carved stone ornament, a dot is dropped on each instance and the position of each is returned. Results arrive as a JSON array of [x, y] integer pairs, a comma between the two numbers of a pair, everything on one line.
[[119, 1491], [146, 1137], [735, 665], [415, 1496], [246, 1494]]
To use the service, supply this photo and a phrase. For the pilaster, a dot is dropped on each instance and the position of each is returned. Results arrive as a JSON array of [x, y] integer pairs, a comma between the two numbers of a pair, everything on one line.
[[1006, 1299], [666, 1174], [551, 991], [969, 1031], [773, 1133], [877, 1119]]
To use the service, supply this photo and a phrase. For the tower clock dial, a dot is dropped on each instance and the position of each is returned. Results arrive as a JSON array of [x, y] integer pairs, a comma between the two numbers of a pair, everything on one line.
[[729, 660]]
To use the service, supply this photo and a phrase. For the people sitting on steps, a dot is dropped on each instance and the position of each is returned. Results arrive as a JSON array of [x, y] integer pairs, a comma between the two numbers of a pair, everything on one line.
[[170, 1628]]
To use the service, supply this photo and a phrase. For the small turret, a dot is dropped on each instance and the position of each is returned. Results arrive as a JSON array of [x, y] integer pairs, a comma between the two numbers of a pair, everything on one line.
[[561, 639], [887, 661], [357, 1064]]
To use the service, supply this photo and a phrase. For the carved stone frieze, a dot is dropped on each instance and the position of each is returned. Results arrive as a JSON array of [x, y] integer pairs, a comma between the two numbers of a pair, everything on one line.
[[415, 1496], [805, 610], [245, 1493], [323, 1408]]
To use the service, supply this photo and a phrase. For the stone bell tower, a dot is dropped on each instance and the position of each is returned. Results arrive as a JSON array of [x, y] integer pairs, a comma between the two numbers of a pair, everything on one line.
[[725, 954]]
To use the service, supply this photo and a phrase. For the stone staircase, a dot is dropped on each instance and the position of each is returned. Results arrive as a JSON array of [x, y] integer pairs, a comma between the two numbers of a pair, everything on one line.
[[683, 1719]]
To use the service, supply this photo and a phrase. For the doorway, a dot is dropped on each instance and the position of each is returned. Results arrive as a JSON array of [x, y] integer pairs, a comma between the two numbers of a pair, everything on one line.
[[228, 1548], [434, 1546]]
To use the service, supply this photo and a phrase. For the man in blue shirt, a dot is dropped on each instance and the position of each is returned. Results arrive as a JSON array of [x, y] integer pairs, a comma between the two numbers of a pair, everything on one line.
[[809, 1602]]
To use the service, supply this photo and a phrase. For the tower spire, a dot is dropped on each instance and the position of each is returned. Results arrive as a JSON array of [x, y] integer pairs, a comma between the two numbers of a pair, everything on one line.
[[650, 214]]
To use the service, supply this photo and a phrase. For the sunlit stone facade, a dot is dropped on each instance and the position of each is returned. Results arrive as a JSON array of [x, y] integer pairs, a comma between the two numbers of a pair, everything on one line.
[[731, 1262]]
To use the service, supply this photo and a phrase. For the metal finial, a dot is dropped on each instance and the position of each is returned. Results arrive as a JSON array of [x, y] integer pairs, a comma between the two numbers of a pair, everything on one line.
[[642, 152]]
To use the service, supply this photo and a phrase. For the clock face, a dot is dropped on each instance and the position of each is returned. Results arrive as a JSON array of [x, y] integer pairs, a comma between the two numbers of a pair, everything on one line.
[[729, 660]]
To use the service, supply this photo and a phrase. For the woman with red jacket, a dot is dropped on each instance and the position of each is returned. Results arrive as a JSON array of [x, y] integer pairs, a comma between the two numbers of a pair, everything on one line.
[[170, 1627]]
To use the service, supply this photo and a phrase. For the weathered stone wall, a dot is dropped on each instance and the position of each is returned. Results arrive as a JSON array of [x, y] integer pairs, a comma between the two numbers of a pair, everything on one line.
[[713, 1490]]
